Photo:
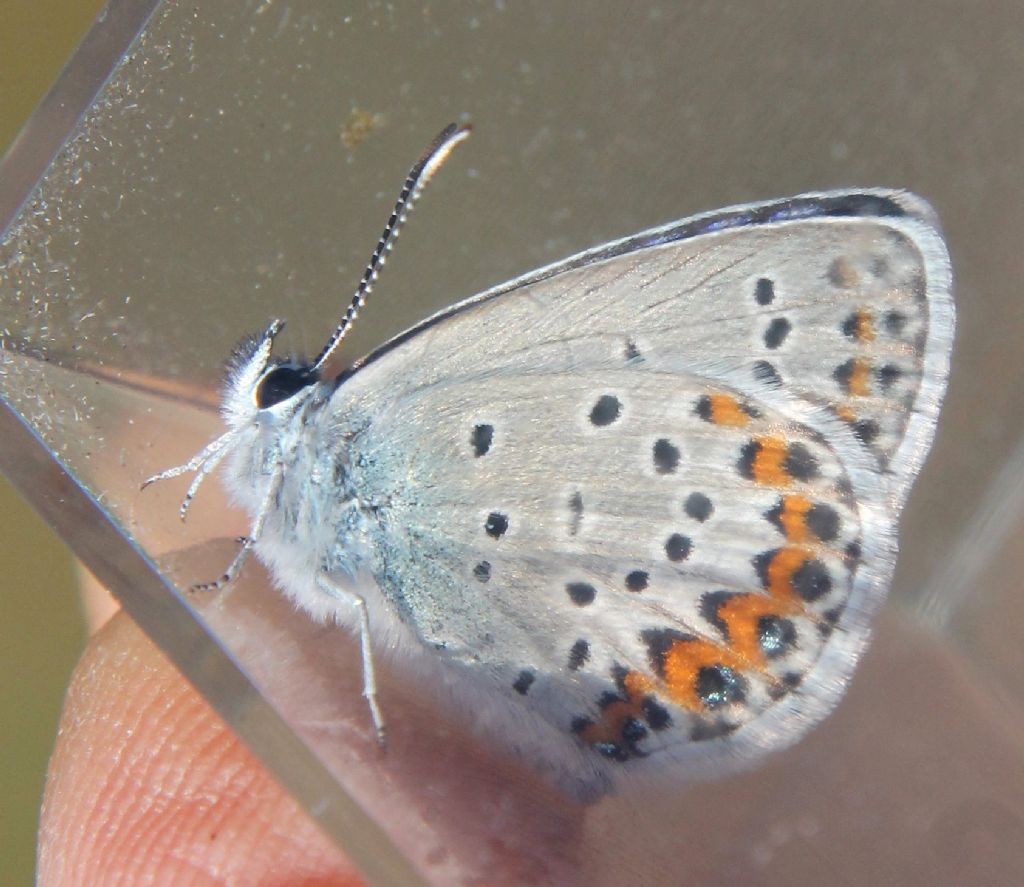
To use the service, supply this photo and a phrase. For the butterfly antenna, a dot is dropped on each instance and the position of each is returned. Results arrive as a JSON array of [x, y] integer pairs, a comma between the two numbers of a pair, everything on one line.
[[421, 173]]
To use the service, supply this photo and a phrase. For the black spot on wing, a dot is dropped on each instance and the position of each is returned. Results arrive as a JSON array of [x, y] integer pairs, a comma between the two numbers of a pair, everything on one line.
[[678, 547], [481, 439], [822, 520], [776, 333], [800, 463], [523, 682], [579, 653], [704, 408], [496, 525], [867, 430], [581, 593], [666, 456], [894, 322], [764, 372], [655, 714], [698, 506], [719, 685], [775, 635], [576, 507], [888, 376], [811, 580], [605, 411], [637, 580]]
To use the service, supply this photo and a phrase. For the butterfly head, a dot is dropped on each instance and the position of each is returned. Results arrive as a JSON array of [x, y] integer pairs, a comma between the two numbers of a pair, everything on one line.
[[260, 387]]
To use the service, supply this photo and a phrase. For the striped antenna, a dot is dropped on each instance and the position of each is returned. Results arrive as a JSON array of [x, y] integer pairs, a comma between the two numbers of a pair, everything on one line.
[[421, 173]]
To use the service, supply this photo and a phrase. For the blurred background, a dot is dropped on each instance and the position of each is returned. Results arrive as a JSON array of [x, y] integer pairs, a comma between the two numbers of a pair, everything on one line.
[[41, 625]]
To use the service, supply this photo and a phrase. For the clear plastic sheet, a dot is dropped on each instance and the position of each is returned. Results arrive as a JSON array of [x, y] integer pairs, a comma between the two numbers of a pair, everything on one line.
[[238, 165]]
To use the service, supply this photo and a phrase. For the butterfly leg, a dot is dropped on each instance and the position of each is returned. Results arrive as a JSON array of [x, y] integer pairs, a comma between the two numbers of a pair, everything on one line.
[[369, 678], [202, 463], [193, 464], [233, 568], [247, 542]]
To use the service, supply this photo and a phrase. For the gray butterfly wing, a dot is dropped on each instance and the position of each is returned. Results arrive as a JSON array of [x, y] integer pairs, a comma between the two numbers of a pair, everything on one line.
[[652, 491]]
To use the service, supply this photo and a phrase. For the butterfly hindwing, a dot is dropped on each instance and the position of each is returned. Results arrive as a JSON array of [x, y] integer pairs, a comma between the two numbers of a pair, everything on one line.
[[608, 538]]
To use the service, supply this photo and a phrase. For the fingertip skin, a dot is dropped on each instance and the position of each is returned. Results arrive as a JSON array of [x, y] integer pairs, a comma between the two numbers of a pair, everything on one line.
[[148, 786]]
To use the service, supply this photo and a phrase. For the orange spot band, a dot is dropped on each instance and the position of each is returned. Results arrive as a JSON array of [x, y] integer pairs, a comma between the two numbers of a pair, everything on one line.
[[860, 378], [781, 568], [608, 729], [794, 518], [769, 464], [726, 410], [865, 331], [740, 615], [682, 663]]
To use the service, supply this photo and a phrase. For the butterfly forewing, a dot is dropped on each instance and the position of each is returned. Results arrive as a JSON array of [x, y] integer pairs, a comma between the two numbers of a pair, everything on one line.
[[843, 311]]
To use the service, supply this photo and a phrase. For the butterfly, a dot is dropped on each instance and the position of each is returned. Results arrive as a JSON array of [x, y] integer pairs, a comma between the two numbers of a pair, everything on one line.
[[636, 509]]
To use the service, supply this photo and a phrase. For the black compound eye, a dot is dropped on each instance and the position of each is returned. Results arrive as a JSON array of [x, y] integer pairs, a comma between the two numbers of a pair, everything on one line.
[[282, 382]]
